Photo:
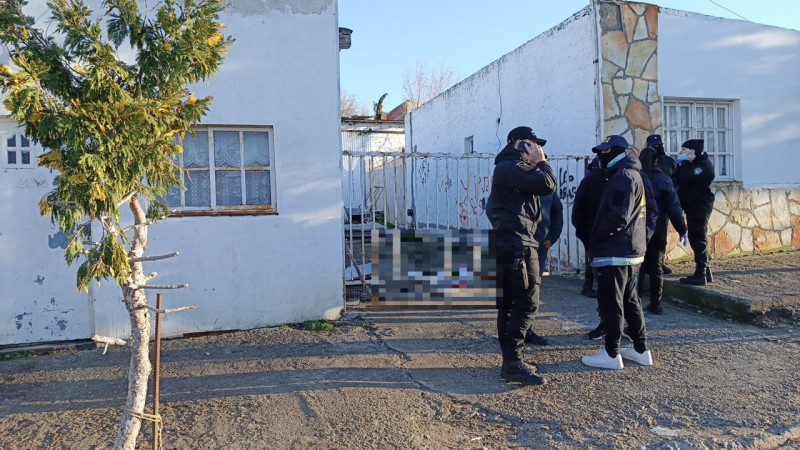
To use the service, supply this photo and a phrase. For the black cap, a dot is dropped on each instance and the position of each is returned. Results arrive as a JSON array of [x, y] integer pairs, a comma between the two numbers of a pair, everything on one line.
[[694, 144], [612, 142], [654, 140], [523, 133]]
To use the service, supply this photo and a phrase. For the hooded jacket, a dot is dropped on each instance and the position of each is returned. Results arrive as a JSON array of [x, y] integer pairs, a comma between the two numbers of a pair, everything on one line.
[[619, 234], [694, 185], [587, 200], [668, 206], [513, 206], [549, 229]]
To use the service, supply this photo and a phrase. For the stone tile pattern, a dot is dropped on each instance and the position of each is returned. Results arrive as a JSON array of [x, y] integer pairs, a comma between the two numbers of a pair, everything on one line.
[[747, 221], [629, 44]]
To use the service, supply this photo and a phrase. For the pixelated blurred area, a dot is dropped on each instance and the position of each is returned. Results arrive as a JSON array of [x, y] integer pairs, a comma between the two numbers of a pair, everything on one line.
[[358, 263], [432, 269]]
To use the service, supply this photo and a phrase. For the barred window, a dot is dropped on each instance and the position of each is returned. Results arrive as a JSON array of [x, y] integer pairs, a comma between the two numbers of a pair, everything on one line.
[[227, 169], [708, 120], [18, 151]]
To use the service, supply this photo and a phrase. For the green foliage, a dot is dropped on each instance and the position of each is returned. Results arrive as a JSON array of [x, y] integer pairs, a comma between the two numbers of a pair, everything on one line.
[[318, 325], [110, 125], [16, 355]]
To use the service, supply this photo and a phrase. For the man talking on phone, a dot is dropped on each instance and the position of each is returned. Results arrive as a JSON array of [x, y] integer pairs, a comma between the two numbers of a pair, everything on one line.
[[521, 175]]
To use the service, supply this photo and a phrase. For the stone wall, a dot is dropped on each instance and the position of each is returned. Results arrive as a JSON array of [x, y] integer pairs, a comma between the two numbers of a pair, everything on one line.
[[747, 221], [629, 48]]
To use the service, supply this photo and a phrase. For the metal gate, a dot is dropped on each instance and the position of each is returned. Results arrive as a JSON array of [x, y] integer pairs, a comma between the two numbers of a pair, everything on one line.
[[435, 191]]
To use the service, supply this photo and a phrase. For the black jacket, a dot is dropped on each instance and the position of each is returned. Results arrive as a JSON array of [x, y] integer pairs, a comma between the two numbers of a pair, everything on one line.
[[620, 229], [586, 202], [668, 206], [694, 185], [668, 166], [652, 211], [549, 229], [513, 205]]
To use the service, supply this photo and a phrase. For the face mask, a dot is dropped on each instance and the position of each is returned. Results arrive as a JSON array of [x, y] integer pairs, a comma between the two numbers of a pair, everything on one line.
[[682, 157], [605, 158]]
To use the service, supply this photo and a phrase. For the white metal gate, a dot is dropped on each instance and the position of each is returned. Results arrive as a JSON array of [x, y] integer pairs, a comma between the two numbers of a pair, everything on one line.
[[439, 191]]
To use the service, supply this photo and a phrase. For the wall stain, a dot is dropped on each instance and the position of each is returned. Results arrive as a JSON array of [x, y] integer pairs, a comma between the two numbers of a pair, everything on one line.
[[58, 240], [62, 324], [39, 280], [19, 318]]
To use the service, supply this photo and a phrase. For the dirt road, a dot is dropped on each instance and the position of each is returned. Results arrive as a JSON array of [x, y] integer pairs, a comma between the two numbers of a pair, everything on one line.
[[428, 380]]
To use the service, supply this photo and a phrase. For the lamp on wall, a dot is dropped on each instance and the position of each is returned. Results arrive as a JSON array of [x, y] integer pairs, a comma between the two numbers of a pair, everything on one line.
[[344, 38]]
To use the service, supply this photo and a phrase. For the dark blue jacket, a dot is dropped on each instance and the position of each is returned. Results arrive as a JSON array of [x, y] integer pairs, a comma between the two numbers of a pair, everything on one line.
[[587, 201], [652, 207], [694, 185], [513, 206], [620, 228], [549, 229], [668, 206]]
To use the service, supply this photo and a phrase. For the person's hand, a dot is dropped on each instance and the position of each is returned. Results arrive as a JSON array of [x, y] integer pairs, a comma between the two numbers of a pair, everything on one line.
[[547, 244], [535, 153], [685, 240]]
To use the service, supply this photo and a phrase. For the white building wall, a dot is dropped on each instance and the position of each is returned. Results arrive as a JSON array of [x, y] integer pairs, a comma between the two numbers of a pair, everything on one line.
[[757, 65], [243, 272], [547, 84]]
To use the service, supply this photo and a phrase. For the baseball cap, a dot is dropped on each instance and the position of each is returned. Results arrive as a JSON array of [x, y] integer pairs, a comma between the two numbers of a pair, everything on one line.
[[523, 133], [654, 139], [610, 142]]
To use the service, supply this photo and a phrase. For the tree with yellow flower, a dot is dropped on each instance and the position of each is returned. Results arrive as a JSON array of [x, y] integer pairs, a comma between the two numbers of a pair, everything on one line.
[[110, 126]]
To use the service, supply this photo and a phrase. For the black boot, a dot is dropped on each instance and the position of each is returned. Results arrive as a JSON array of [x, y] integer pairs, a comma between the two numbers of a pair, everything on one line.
[[698, 278], [709, 276], [519, 372], [532, 338], [655, 308], [587, 291]]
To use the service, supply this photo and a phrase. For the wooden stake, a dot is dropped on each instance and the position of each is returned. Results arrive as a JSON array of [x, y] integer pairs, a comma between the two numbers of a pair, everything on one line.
[[157, 376]]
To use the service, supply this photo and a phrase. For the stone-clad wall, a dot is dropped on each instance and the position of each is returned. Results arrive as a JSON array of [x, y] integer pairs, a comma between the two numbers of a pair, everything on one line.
[[747, 221], [629, 44]]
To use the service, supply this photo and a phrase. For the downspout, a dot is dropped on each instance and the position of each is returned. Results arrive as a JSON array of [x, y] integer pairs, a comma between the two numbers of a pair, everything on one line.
[[412, 149], [598, 73]]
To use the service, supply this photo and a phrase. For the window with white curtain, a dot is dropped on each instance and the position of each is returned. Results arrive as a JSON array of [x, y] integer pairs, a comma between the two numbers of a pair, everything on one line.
[[702, 119], [227, 169]]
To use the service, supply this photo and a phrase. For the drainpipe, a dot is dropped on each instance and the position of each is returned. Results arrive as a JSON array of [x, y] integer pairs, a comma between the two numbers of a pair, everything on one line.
[[598, 72], [412, 149]]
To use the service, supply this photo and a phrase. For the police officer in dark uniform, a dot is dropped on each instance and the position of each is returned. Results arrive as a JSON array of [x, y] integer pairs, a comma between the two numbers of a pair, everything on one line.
[[695, 174], [584, 210], [521, 174], [667, 165], [669, 209]]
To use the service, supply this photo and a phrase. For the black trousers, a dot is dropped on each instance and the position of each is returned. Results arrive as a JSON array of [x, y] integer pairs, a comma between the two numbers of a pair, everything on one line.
[[517, 304], [619, 302], [654, 267], [697, 225]]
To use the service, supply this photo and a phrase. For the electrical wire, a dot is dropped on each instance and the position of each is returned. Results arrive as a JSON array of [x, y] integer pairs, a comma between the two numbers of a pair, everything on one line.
[[730, 11]]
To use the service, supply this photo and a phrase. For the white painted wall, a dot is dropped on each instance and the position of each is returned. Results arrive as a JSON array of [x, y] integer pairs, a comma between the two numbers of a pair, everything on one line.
[[243, 272], [757, 65], [38, 299], [547, 84]]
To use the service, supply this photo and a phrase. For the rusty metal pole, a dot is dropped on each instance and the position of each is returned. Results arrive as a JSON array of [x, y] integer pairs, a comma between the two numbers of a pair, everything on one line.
[[157, 375]]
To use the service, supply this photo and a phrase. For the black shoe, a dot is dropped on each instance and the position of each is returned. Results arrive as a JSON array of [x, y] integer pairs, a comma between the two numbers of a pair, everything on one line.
[[587, 291], [535, 339], [667, 270], [520, 372], [597, 334], [709, 276], [695, 280], [655, 309]]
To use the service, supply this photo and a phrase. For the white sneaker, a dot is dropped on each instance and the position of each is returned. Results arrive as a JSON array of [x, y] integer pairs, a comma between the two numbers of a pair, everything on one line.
[[644, 359], [602, 360]]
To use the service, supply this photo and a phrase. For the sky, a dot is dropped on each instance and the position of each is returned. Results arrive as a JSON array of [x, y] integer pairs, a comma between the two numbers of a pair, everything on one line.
[[390, 38]]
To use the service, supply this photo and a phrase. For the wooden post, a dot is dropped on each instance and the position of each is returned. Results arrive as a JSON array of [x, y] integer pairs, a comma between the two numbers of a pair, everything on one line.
[[157, 375]]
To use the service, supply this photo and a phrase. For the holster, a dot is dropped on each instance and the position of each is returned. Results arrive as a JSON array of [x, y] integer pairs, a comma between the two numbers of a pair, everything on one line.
[[520, 268]]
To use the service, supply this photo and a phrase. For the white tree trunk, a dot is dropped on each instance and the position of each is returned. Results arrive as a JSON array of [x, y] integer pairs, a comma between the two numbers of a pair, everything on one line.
[[135, 301]]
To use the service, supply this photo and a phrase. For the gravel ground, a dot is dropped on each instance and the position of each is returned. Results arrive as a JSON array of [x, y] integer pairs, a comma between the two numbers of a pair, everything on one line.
[[427, 380]]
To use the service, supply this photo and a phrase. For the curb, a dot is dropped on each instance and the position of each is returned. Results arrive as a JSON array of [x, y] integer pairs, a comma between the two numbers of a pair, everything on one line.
[[738, 308]]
